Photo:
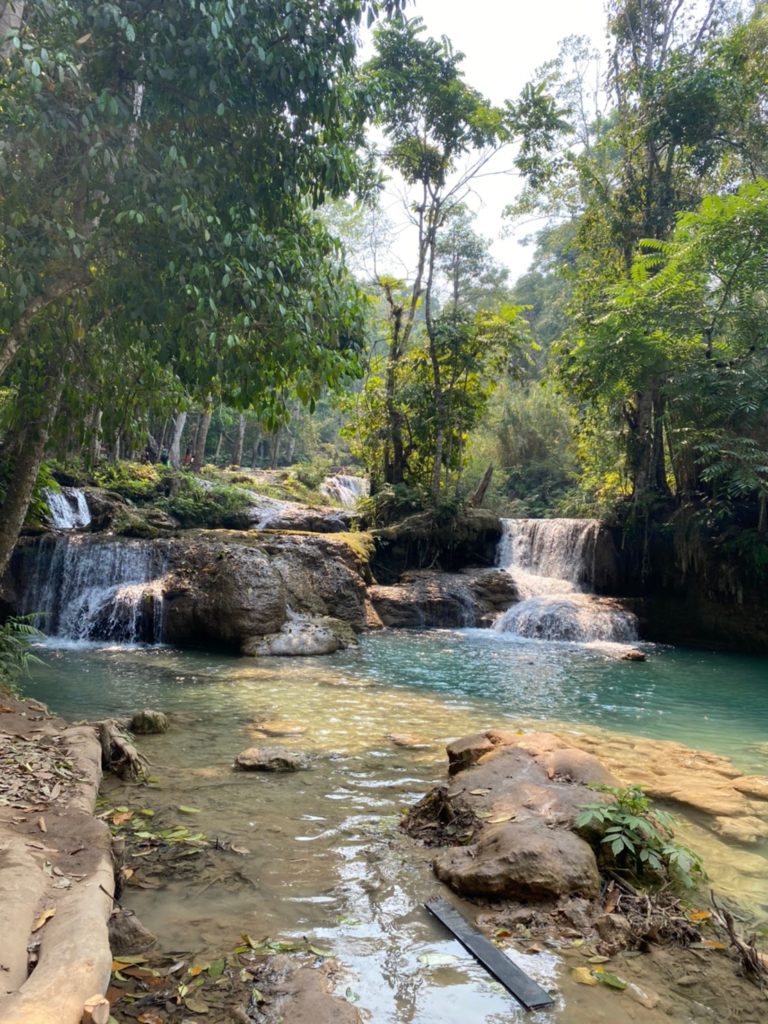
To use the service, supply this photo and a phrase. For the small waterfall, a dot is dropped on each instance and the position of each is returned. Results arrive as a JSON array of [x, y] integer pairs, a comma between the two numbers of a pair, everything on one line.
[[347, 490], [68, 507], [552, 564], [86, 589]]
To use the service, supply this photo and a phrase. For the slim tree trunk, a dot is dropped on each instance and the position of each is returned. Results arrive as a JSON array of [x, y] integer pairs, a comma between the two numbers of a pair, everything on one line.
[[27, 464], [237, 452], [94, 446], [198, 457], [174, 454]]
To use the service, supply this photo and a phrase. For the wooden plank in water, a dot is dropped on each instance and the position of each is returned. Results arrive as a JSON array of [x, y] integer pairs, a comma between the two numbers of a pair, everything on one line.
[[525, 990]]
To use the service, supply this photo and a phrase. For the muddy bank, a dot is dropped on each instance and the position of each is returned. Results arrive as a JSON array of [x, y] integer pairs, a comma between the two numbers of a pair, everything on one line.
[[56, 874]]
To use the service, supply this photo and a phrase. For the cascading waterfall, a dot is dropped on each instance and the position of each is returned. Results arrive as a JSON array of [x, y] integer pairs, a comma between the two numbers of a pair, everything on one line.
[[552, 564], [86, 589], [68, 507], [347, 490]]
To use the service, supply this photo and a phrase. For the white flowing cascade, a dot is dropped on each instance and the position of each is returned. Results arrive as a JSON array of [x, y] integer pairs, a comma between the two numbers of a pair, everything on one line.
[[68, 507], [552, 564], [82, 589], [347, 490]]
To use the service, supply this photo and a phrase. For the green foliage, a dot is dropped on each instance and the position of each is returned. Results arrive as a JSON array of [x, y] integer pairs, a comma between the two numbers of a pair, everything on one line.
[[178, 493], [16, 635], [392, 504], [638, 839], [528, 436]]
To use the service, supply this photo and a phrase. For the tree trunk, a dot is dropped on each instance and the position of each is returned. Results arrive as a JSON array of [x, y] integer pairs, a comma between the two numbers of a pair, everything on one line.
[[198, 457], [275, 449], [11, 14], [219, 443], [476, 499], [174, 454], [27, 463], [237, 452], [94, 447], [649, 464]]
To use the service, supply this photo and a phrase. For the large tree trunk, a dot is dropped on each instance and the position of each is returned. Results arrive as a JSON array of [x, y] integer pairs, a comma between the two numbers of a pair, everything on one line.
[[174, 454], [237, 453], [198, 458], [649, 464], [27, 462]]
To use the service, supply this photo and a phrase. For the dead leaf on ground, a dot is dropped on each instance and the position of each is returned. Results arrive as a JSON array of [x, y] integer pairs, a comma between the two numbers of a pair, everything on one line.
[[45, 916], [41, 824], [583, 976]]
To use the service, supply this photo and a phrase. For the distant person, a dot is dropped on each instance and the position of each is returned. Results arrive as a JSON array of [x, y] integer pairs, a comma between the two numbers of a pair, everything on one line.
[[164, 456]]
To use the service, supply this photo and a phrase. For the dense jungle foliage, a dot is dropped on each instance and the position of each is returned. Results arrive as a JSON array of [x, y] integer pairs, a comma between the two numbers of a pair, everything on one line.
[[174, 289]]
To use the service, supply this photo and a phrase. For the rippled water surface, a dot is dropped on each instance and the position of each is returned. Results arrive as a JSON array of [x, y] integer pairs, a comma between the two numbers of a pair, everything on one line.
[[324, 857]]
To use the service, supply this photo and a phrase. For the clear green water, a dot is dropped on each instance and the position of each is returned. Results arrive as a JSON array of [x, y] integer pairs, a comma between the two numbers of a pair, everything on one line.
[[711, 701], [324, 857]]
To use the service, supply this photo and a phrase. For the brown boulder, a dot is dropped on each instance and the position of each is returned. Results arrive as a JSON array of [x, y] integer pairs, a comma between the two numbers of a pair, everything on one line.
[[466, 751], [521, 860]]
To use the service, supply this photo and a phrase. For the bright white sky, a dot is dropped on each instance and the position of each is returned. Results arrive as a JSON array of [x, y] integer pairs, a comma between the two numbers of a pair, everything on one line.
[[504, 42]]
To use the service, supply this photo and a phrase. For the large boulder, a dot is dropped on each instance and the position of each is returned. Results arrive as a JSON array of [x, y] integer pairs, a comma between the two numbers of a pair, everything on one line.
[[221, 593], [424, 598], [521, 860], [273, 514], [518, 796], [235, 589], [322, 575]]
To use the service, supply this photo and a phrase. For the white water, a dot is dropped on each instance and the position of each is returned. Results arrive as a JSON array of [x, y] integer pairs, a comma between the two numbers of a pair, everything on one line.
[[68, 507], [552, 564], [86, 590], [347, 490]]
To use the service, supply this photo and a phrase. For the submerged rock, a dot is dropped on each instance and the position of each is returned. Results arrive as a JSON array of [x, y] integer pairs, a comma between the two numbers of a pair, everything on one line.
[[148, 723], [281, 728], [271, 759]]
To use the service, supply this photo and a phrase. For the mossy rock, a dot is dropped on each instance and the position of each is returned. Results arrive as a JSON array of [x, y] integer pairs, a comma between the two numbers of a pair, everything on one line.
[[143, 523]]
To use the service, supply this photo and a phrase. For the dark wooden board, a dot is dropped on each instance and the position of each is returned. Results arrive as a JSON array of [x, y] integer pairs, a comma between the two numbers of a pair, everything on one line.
[[525, 990]]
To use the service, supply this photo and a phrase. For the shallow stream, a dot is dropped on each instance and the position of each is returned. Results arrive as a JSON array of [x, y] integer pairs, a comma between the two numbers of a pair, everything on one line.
[[325, 859]]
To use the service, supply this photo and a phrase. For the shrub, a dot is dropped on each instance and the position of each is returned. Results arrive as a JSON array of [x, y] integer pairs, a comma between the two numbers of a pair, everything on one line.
[[638, 839]]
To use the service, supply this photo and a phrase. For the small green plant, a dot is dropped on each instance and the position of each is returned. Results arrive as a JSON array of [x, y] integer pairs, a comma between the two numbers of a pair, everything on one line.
[[639, 839], [16, 635]]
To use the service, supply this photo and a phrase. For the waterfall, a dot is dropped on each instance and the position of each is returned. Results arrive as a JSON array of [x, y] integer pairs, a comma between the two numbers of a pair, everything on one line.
[[68, 508], [83, 588], [347, 490], [552, 564]]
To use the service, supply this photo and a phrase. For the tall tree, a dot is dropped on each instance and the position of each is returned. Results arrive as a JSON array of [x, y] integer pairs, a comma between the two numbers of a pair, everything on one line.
[[441, 135], [160, 164]]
